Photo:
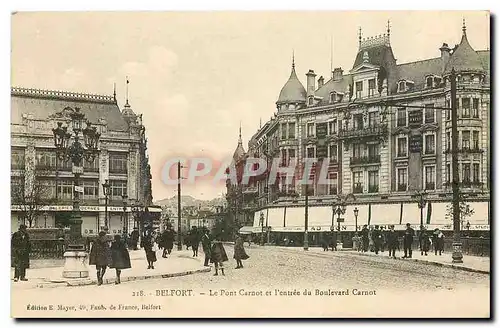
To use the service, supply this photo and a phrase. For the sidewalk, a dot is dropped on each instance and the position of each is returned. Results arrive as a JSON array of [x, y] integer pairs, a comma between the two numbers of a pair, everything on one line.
[[179, 263], [476, 264]]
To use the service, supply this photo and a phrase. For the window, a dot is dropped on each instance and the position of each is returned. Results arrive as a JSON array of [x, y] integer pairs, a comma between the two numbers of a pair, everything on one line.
[[283, 157], [17, 158], [475, 107], [310, 129], [332, 127], [415, 117], [430, 144], [429, 82], [333, 153], [372, 119], [466, 172], [17, 189], [475, 140], [291, 154], [359, 89], [402, 184], [448, 112], [465, 139], [356, 150], [429, 113], [448, 141], [310, 152], [357, 178], [91, 166], [373, 151], [65, 189], [64, 165], [402, 117], [90, 189], [402, 147], [117, 163], [45, 159], [117, 189], [373, 181], [311, 101], [430, 177], [283, 131], [358, 121], [402, 86], [371, 87], [448, 173], [475, 172], [333, 97], [291, 130], [465, 107], [332, 187]]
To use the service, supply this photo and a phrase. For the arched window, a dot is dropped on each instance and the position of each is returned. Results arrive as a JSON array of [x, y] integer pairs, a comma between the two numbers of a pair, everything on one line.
[[429, 82], [333, 97], [402, 86], [311, 101]]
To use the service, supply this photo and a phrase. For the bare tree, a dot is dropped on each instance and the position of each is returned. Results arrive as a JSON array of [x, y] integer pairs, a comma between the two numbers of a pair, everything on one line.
[[466, 211], [30, 192]]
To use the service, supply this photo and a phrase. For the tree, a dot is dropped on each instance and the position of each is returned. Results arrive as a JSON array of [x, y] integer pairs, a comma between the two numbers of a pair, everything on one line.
[[29, 191], [466, 211]]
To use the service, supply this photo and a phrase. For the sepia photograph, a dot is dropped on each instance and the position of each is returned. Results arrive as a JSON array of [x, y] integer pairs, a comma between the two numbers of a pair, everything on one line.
[[250, 164]]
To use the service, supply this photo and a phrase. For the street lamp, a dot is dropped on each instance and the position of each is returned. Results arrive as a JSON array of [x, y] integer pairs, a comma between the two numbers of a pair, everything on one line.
[[76, 152], [125, 218], [105, 188], [356, 212], [269, 228], [340, 209], [262, 227], [421, 202]]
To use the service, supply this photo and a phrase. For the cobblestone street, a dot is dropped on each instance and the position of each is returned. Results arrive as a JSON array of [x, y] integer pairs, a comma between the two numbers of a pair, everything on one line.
[[390, 288]]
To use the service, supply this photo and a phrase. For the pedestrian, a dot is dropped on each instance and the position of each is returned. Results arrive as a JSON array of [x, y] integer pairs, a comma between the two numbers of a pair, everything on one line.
[[371, 244], [206, 244], [218, 255], [425, 242], [333, 241], [195, 241], [162, 243], [392, 241], [383, 240], [169, 240], [365, 238], [438, 242], [120, 258], [149, 245], [377, 239], [100, 256], [408, 241], [239, 252], [20, 253], [324, 243], [134, 238]]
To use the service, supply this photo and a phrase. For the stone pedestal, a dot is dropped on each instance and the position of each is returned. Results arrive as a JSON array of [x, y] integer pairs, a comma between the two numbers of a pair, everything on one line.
[[340, 245], [457, 256], [75, 265]]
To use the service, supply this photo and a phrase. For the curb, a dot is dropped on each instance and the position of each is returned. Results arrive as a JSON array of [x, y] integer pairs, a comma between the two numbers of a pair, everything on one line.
[[87, 282], [457, 267]]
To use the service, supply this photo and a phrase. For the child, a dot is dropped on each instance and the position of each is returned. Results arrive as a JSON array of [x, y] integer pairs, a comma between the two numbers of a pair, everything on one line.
[[218, 256]]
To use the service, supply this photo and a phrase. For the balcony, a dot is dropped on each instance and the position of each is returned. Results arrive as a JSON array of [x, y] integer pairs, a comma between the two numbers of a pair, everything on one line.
[[466, 184], [402, 187], [373, 188], [357, 188], [401, 122], [118, 170], [368, 131], [333, 190], [250, 190], [466, 150], [430, 186], [364, 160]]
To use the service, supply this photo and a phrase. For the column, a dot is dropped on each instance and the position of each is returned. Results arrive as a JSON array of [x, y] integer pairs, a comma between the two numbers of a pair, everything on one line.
[[134, 173], [103, 175]]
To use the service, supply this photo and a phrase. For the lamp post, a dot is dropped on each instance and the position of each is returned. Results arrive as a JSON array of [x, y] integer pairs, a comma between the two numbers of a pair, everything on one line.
[[356, 212], [261, 219], [105, 188], [45, 219], [125, 218], [75, 152], [306, 219], [269, 228], [340, 209]]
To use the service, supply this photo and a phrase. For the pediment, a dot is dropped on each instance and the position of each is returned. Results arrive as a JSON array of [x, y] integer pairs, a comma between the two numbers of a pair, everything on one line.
[[364, 67]]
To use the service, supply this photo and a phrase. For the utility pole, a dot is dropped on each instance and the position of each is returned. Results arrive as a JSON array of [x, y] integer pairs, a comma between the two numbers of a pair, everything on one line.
[[179, 226], [457, 244], [306, 220]]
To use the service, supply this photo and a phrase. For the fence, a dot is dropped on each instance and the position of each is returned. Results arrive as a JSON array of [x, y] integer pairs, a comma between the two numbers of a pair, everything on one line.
[[45, 249]]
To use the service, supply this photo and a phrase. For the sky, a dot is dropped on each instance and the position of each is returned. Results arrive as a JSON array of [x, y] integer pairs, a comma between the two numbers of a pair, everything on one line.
[[196, 76]]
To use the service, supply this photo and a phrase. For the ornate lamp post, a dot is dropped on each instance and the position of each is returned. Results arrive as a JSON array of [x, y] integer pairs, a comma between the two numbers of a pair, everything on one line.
[[268, 228], [421, 202], [125, 218], [105, 188], [339, 209], [262, 227], [356, 212], [76, 152]]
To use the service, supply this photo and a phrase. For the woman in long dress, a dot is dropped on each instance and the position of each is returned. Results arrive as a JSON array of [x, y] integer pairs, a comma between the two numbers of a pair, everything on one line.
[[149, 245], [218, 256], [100, 256], [120, 258], [239, 252]]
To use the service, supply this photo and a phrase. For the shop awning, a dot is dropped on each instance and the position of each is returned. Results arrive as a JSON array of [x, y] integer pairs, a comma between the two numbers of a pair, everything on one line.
[[385, 214], [411, 214], [246, 230], [275, 216], [320, 216], [295, 217]]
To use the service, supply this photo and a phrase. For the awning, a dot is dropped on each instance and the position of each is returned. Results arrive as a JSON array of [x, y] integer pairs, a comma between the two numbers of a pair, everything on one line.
[[480, 216], [385, 214], [320, 216], [256, 218], [411, 214], [246, 230], [350, 219], [295, 217], [274, 216]]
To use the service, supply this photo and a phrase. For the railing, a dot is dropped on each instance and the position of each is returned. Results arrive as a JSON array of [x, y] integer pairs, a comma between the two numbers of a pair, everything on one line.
[[366, 131], [365, 160], [373, 188], [43, 249], [430, 185], [357, 188], [402, 154], [402, 187], [467, 150], [401, 122], [118, 170]]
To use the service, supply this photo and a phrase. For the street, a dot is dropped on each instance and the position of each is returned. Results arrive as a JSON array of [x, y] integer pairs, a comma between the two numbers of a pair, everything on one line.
[[375, 286]]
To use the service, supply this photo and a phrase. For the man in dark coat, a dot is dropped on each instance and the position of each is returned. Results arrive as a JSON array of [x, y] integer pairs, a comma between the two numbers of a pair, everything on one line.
[[206, 244], [239, 252], [20, 248], [169, 240], [194, 237], [392, 241], [218, 255], [408, 241], [134, 238], [377, 239], [100, 256], [425, 242], [365, 239], [120, 258]]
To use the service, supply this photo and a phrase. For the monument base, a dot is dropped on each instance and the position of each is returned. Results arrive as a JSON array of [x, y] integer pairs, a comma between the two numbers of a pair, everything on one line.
[[75, 265], [457, 256]]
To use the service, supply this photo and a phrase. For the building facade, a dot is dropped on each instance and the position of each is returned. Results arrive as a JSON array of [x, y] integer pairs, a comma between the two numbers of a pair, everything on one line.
[[42, 184], [374, 149]]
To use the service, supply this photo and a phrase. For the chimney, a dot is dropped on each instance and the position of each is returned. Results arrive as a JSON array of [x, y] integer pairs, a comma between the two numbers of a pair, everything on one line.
[[445, 54], [321, 81], [338, 74], [311, 82]]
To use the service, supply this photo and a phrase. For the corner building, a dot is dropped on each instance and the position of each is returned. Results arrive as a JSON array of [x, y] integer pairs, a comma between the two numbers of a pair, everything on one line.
[[381, 154]]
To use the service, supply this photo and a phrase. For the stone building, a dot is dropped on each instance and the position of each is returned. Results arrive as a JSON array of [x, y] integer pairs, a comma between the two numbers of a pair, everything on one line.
[[122, 159], [382, 154]]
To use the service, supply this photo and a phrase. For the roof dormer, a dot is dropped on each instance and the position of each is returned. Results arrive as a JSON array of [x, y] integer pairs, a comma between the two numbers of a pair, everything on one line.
[[405, 86]]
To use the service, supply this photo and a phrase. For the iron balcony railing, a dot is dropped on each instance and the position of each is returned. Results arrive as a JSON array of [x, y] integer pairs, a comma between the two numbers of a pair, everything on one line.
[[373, 159], [365, 131]]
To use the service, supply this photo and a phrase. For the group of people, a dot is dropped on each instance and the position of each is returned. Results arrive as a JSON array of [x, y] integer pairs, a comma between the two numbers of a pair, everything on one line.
[[376, 239]]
